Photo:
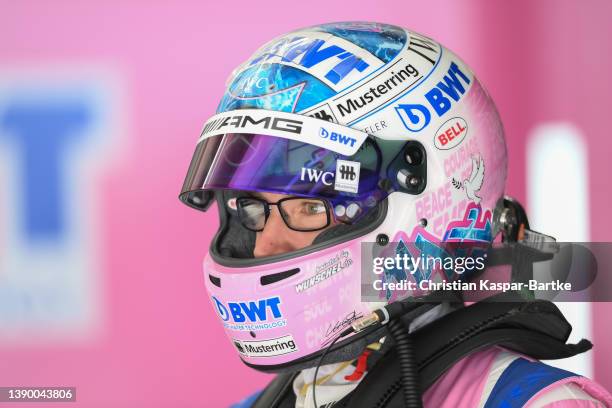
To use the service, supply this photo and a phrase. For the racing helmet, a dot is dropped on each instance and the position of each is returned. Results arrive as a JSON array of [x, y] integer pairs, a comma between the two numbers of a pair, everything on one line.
[[391, 130]]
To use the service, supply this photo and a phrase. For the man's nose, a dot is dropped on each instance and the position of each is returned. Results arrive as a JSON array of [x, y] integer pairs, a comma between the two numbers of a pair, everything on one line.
[[275, 237]]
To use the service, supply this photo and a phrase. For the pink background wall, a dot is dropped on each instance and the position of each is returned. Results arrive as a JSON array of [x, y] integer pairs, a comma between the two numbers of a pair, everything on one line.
[[156, 341]]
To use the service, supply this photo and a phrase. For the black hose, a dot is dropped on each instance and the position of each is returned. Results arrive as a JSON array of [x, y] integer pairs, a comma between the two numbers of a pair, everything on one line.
[[408, 369]]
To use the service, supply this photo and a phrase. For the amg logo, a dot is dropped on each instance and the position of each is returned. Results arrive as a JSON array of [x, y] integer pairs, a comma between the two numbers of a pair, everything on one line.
[[267, 122]]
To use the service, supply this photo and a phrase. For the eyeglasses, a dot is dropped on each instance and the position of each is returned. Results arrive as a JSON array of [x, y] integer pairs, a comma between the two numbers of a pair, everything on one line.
[[299, 214]]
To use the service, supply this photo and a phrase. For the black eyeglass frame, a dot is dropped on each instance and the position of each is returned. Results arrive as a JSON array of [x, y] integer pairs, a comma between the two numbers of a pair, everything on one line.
[[267, 205]]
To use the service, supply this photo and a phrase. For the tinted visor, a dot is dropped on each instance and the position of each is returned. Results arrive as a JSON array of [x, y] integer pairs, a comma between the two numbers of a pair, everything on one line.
[[261, 163]]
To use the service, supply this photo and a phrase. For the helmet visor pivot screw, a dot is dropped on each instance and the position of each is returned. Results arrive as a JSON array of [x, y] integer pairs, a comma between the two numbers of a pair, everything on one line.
[[382, 239], [413, 156]]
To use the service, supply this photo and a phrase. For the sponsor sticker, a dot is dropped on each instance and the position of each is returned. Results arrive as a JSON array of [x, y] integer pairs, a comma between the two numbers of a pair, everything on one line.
[[347, 176], [405, 73], [316, 176], [438, 100], [324, 112], [451, 133], [337, 137], [266, 348], [313, 130], [333, 60], [253, 315], [377, 91], [326, 271]]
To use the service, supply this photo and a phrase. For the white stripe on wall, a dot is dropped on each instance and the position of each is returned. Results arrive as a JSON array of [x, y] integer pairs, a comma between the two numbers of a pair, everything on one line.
[[557, 201]]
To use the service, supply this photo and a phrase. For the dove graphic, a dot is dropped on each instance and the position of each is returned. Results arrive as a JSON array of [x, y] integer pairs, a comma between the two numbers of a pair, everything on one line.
[[473, 184]]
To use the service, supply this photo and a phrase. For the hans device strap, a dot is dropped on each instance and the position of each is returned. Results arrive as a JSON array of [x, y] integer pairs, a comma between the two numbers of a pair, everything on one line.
[[536, 329], [318, 132]]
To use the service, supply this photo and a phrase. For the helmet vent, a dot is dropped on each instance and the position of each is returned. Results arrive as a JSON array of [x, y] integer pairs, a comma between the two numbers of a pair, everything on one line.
[[215, 280], [276, 277]]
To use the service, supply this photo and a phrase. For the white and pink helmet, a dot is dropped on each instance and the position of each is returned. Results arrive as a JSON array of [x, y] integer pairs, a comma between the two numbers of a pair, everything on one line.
[[397, 135]]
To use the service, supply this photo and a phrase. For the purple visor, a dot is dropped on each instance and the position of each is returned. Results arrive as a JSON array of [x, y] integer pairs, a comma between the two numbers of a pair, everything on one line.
[[260, 163]]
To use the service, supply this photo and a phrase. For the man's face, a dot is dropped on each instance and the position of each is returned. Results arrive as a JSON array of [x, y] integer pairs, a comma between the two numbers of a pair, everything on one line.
[[276, 237]]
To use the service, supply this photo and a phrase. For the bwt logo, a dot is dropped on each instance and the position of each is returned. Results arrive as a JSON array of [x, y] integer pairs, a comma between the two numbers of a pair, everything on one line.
[[252, 311], [416, 117], [309, 53], [315, 175], [337, 137]]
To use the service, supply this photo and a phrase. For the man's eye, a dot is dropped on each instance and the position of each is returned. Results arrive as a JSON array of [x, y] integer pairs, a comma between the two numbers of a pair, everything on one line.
[[314, 208], [232, 204]]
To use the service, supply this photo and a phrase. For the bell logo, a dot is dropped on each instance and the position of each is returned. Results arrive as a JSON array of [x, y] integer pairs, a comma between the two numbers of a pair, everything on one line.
[[451, 133]]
